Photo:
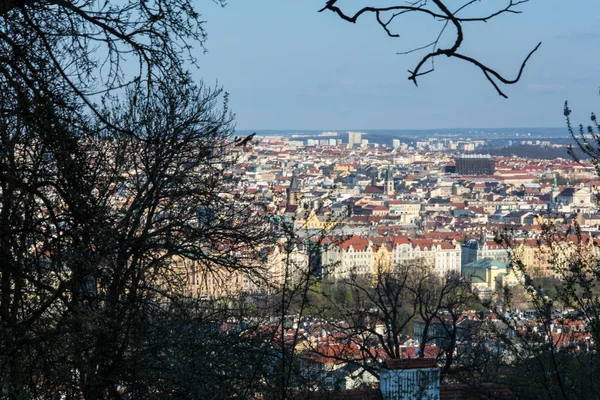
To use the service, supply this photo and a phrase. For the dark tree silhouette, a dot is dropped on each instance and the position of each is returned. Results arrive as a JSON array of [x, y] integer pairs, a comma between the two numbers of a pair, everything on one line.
[[96, 50], [555, 356], [95, 225], [446, 14], [382, 310]]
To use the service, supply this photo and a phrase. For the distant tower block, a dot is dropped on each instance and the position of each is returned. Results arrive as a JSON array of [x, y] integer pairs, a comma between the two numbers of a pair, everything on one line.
[[354, 138], [475, 164]]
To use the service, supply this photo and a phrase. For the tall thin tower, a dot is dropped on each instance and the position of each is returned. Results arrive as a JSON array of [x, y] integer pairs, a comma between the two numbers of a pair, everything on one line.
[[389, 183]]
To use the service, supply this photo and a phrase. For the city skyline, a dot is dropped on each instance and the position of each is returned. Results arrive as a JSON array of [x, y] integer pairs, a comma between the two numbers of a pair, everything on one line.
[[399, 130]]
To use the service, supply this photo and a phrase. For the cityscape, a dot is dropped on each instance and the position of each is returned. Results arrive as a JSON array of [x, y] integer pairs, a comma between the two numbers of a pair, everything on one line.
[[363, 210], [325, 199]]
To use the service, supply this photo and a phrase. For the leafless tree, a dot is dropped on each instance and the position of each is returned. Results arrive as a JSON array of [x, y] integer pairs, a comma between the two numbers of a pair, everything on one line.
[[94, 224], [110, 177], [548, 350], [389, 17], [441, 301], [96, 50], [382, 311]]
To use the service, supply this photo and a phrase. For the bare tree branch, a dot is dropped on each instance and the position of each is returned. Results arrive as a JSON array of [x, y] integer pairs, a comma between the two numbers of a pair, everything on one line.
[[440, 11]]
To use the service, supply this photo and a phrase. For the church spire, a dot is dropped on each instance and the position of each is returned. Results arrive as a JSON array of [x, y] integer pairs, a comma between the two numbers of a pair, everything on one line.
[[389, 182], [292, 192]]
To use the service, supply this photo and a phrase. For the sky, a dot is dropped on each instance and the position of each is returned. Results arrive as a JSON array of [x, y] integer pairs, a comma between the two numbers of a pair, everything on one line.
[[286, 66]]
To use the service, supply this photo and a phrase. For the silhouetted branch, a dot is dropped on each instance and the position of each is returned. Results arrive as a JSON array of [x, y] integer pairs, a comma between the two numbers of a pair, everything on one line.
[[441, 12]]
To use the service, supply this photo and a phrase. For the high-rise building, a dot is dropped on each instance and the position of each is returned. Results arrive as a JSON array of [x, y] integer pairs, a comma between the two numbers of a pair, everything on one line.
[[475, 164], [354, 138], [396, 143]]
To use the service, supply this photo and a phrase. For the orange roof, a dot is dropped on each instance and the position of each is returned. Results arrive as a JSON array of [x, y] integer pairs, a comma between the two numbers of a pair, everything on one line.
[[446, 246], [357, 243], [398, 240], [422, 242]]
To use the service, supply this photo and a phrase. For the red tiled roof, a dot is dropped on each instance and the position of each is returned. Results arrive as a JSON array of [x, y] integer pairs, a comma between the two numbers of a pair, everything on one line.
[[373, 189], [446, 246], [398, 240], [357, 243]]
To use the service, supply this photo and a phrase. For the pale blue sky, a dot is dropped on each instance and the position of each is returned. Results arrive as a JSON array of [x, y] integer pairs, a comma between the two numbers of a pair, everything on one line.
[[288, 67]]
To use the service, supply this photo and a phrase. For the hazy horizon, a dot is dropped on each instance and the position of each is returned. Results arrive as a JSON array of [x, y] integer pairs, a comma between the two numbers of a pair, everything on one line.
[[286, 65], [524, 130]]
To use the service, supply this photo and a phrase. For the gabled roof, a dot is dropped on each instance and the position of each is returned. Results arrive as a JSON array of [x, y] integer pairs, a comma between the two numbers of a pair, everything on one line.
[[357, 243], [446, 246], [568, 192], [370, 189], [399, 240]]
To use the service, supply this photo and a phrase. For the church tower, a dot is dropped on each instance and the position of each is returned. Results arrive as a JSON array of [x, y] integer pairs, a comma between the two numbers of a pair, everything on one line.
[[553, 195], [388, 188], [293, 191]]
